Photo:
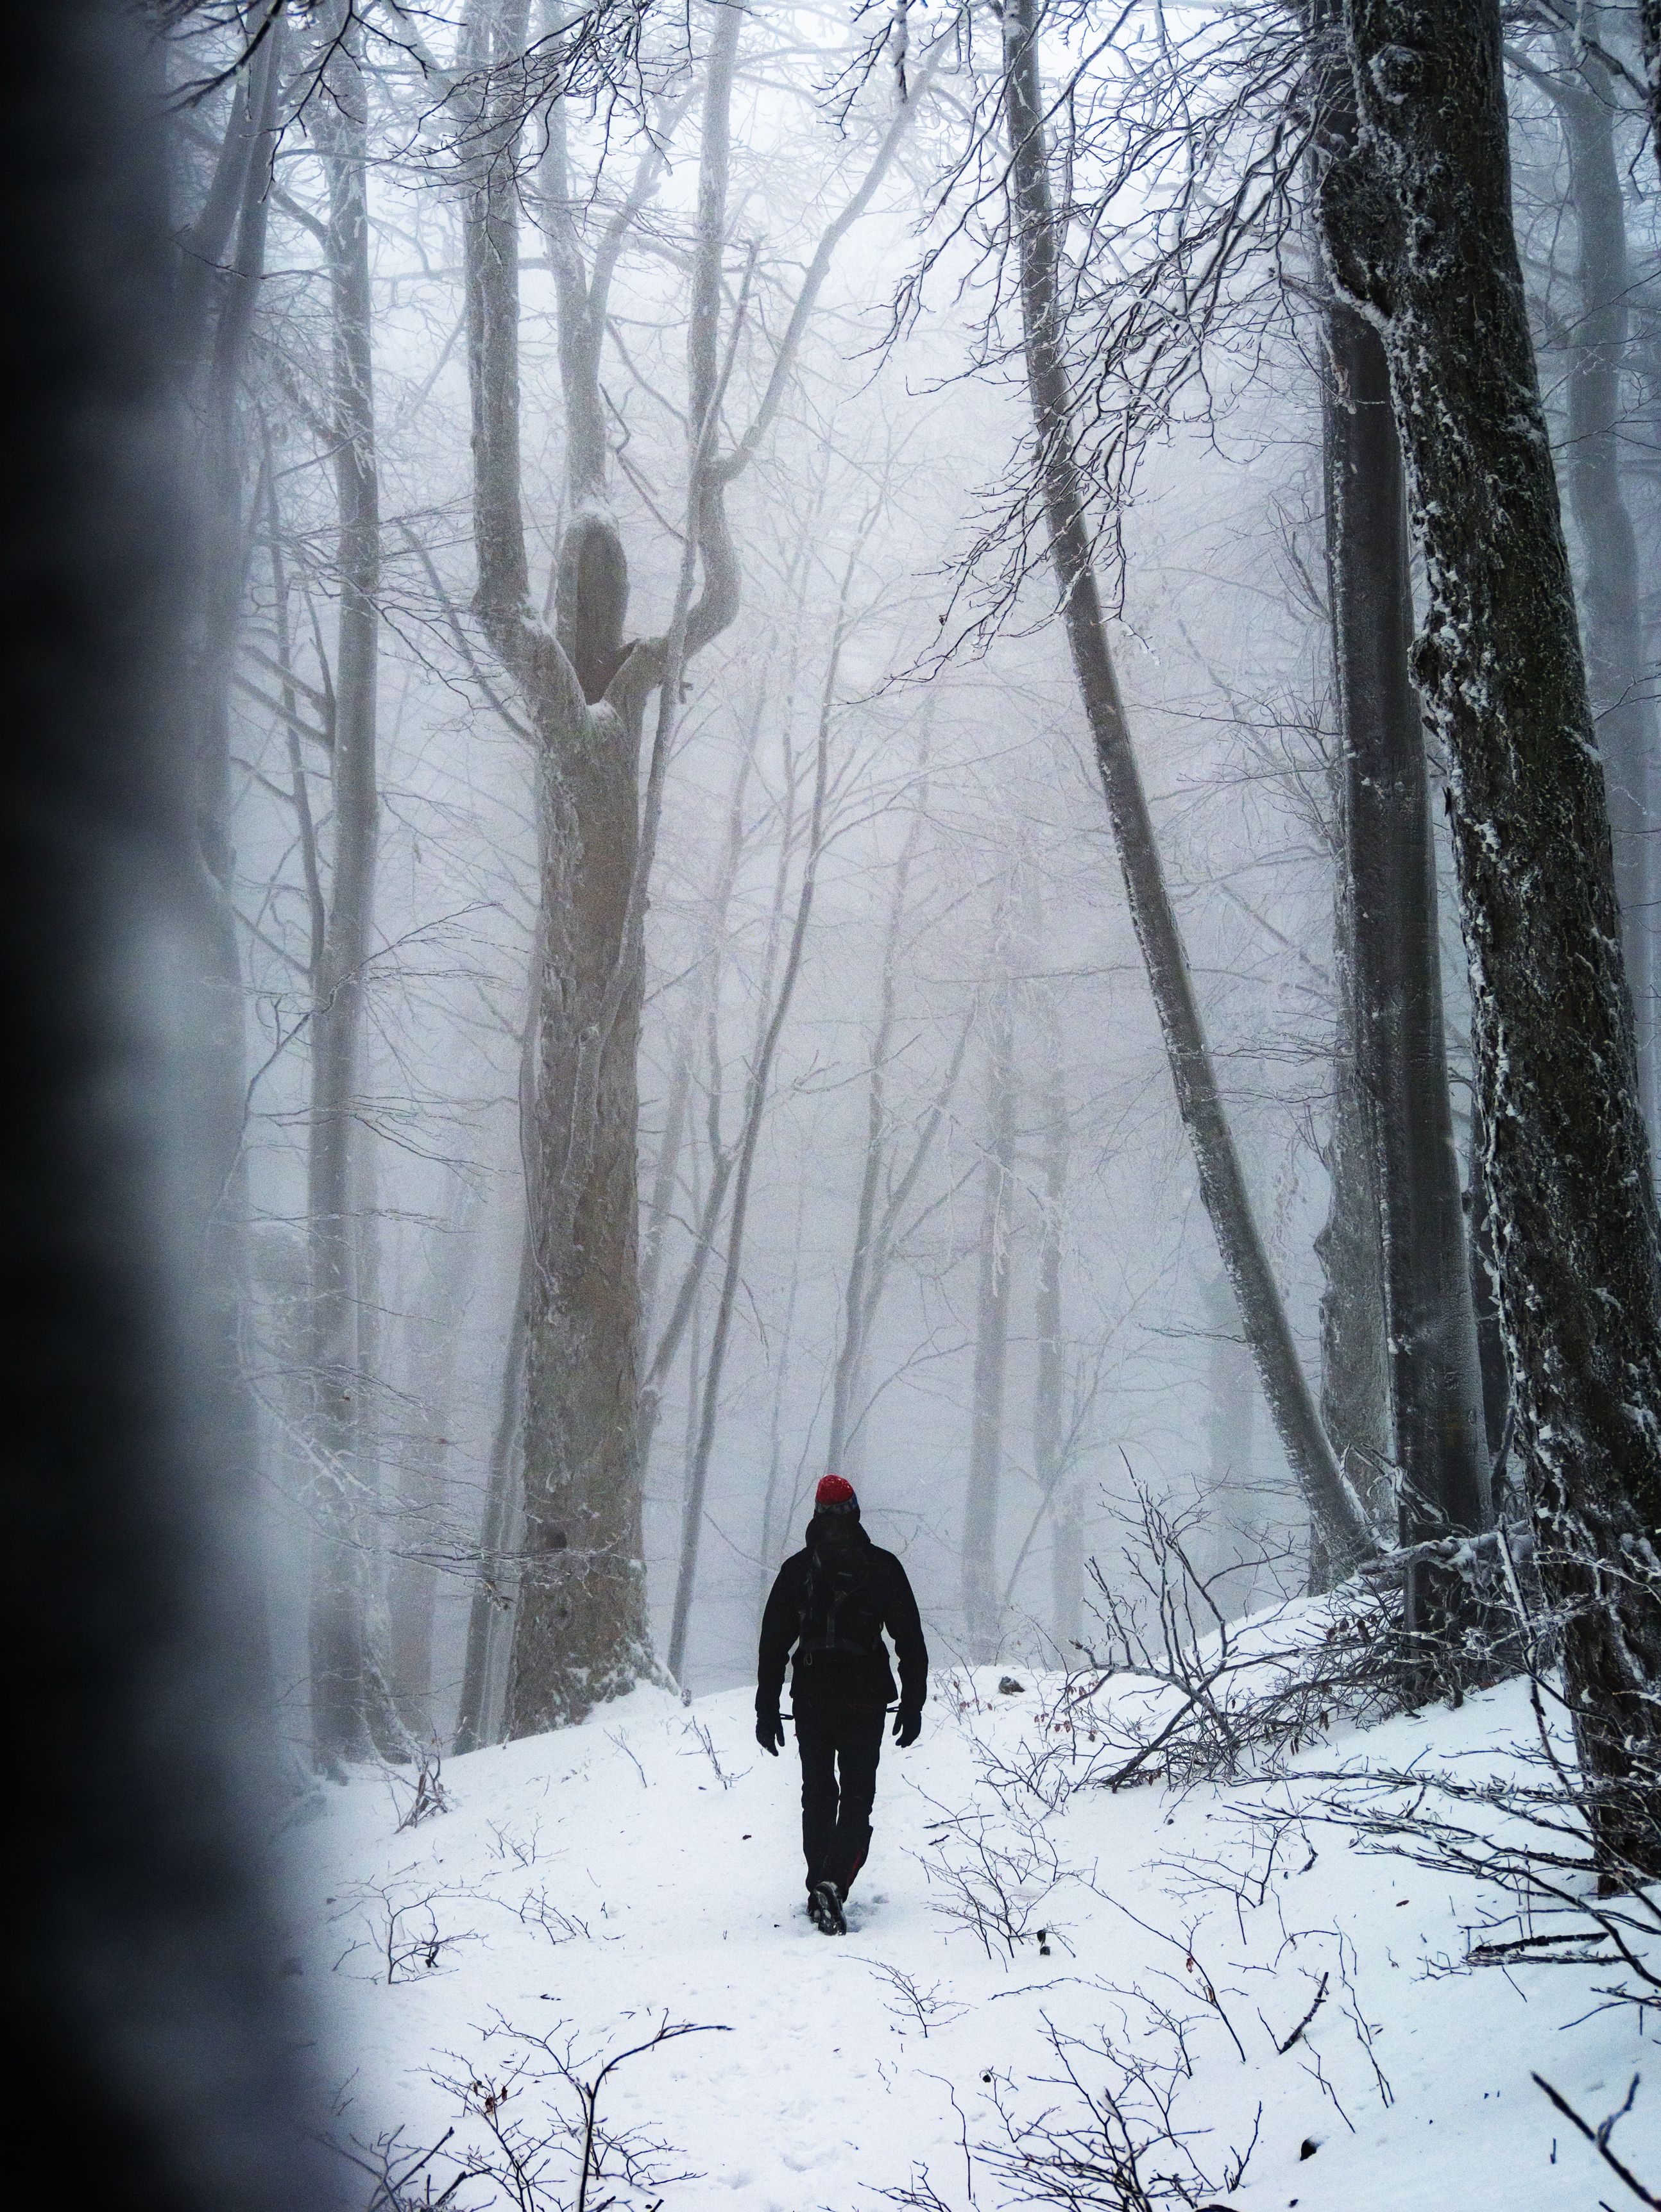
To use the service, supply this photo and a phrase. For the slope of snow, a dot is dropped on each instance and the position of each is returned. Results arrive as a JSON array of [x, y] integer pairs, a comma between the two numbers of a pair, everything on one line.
[[584, 1887]]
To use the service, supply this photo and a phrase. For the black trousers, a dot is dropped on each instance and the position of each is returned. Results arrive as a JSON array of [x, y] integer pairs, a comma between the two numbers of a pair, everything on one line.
[[840, 1746]]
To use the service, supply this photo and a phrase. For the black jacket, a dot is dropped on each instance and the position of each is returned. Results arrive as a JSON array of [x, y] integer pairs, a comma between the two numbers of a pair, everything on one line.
[[842, 1677]]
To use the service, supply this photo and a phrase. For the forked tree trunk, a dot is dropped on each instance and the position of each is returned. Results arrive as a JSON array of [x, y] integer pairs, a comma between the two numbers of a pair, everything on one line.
[[1418, 228], [351, 1707], [1332, 1501], [580, 1632]]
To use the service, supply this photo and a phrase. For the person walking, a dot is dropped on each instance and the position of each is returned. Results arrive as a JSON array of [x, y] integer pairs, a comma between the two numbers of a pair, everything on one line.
[[831, 1602]]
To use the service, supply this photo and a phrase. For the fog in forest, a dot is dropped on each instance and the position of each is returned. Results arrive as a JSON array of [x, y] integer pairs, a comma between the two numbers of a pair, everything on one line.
[[887, 965], [916, 743]]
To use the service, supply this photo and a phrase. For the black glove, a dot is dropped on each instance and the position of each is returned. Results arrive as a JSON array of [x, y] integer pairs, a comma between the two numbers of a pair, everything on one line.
[[769, 1733], [908, 1727]]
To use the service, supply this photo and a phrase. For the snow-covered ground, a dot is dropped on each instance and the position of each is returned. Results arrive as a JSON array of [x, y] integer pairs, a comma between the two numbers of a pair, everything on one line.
[[585, 1888]]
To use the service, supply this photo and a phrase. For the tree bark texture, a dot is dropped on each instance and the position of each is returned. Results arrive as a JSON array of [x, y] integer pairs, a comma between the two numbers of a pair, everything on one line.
[[1394, 963], [1331, 1499], [1419, 239]]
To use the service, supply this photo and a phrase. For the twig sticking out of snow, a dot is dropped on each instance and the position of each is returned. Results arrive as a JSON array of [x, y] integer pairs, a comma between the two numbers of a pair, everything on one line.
[[1598, 2137]]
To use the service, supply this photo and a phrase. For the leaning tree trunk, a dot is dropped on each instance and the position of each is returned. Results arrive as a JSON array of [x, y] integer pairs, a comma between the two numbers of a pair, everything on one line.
[[1331, 1499], [1418, 232], [352, 1713]]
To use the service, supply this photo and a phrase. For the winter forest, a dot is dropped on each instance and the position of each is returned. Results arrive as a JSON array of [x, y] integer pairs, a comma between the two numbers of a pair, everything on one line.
[[918, 743]]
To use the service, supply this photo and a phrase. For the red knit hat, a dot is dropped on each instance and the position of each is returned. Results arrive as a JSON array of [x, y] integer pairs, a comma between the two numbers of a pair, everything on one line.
[[835, 1496]]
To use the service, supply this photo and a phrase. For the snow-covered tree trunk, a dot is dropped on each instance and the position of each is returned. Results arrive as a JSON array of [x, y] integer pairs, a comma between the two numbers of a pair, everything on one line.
[[1331, 1499], [1418, 228], [1393, 967]]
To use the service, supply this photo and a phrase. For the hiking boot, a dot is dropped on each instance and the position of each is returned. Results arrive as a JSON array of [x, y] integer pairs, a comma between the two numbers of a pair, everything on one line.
[[824, 1909]]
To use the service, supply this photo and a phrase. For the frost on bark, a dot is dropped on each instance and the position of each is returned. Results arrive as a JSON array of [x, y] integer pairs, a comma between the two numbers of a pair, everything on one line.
[[1390, 962], [1331, 1497], [1418, 232]]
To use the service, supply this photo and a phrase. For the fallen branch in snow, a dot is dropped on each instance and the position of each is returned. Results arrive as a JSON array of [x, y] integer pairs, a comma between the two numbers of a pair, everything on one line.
[[1189, 1697], [1528, 1830], [1297, 2034], [1598, 2137]]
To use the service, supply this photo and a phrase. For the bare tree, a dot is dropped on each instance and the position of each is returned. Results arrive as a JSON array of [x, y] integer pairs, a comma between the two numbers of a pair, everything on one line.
[[580, 1632], [1330, 1496]]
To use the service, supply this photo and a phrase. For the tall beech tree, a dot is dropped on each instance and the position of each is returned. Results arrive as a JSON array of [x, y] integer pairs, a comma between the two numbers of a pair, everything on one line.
[[581, 1633], [1417, 223]]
